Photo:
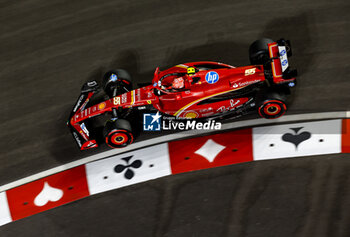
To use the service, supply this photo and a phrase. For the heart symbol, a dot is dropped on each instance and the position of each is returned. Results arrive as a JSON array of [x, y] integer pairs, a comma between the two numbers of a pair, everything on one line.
[[47, 194], [296, 138]]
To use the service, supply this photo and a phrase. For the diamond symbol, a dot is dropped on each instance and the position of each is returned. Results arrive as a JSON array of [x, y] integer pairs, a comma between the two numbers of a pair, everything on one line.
[[210, 150]]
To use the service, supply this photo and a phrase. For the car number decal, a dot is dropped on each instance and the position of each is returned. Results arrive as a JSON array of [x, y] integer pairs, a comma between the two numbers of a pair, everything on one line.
[[250, 71], [116, 100]]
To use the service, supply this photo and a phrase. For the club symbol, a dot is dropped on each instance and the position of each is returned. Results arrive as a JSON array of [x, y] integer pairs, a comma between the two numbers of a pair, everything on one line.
[[296, 138], [129, 173]]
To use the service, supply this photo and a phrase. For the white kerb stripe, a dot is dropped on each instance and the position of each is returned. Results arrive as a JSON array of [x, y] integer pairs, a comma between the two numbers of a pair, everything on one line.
[[142, 165], [5, 216], [298, 139]]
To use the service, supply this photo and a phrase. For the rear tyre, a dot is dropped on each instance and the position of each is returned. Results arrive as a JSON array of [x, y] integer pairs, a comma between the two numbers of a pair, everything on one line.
[[116, 82], [272, 108], [118, 133], [259, 51]]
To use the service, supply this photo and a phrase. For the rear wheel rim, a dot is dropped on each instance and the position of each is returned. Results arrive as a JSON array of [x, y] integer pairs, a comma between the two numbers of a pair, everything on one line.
[[272, 109]]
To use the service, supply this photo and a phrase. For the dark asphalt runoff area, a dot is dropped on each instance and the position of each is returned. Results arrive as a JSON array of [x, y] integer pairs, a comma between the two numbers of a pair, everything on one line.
[[48, 49]]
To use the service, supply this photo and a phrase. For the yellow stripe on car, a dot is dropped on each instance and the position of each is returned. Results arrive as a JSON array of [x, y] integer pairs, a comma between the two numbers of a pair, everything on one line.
[[132, 97], [194, 102]]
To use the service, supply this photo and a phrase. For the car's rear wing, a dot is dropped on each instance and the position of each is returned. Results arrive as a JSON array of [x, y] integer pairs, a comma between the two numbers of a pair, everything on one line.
[[279, 53]]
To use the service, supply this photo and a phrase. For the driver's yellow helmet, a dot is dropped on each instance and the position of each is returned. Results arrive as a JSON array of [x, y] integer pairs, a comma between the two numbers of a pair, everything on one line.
[[191, 70]]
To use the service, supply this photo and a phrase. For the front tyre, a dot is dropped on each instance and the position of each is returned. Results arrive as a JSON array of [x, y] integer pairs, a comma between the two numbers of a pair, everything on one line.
[[116, 82], [271, 109], [118, 133]]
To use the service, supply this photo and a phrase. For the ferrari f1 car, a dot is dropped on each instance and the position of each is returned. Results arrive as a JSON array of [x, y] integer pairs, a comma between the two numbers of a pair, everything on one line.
[[195, 90]]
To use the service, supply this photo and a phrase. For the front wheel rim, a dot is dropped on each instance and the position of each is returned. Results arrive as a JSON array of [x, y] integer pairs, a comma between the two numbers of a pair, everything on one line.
[[119, 138]]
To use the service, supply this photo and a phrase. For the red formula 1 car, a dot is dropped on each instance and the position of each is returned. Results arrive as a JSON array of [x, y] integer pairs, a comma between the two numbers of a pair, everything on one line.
[[196, 90]]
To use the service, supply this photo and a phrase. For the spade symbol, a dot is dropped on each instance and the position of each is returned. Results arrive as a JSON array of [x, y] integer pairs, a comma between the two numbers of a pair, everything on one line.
[[296, 138], [129, 173]]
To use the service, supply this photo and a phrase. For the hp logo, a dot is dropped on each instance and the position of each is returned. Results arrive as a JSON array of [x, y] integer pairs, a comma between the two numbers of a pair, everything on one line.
[[212, 77]]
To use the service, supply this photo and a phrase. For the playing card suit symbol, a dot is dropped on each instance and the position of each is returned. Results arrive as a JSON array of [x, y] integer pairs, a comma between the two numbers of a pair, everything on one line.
[[47, 194], [296, 138], [129, 173], [209, 150]]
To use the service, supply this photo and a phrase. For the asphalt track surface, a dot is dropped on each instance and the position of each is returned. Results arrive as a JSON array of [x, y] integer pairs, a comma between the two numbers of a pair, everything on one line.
[[50, 48]]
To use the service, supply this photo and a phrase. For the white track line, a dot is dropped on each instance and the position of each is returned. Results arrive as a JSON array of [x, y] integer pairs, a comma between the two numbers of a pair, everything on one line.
[[171, 137]]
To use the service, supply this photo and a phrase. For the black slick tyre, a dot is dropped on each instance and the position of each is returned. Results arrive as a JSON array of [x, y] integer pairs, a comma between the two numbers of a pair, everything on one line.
[[116, 82], [259, 51], [118, 133]]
